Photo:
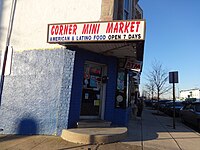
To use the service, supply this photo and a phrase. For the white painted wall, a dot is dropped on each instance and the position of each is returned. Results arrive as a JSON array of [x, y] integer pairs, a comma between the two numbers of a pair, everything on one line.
[[32, 17], [194, 93]]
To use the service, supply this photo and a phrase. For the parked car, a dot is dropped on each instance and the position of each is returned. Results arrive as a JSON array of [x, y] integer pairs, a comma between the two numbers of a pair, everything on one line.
[[148, 103], [160, 103], [163, 105], [190, 113], [169, 108], [153, 103]]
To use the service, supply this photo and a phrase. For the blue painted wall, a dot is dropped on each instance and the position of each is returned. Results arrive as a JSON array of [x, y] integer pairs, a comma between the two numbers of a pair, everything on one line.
[[36, 96], [116, 116]]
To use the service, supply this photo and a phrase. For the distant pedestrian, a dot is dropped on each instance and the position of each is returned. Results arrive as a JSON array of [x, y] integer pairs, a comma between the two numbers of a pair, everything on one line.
[[140, 106], [134, 109]]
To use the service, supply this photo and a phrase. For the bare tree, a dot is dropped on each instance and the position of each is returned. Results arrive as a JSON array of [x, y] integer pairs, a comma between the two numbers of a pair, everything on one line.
[[158, 77], [150, 88]]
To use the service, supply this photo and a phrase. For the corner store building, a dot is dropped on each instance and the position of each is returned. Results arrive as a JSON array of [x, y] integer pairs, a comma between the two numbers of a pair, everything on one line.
[[53, 86]]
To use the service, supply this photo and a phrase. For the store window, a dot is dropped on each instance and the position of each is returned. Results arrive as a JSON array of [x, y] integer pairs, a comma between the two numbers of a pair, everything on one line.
[[126, 89], [121, 91]]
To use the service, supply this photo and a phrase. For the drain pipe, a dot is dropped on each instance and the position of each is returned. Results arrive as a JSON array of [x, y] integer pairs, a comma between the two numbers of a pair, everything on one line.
[[4, 54]]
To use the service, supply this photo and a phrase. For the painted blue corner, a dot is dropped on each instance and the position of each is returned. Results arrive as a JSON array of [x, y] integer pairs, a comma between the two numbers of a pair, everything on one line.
[[37, 94], [117, 116], [56, 81]]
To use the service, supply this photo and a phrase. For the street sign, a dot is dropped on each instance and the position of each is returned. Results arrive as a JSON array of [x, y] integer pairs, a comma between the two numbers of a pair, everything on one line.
[[173, 77]]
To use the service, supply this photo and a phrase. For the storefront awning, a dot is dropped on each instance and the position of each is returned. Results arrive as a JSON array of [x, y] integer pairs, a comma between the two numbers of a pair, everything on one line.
[[122, 39], [117, 49]]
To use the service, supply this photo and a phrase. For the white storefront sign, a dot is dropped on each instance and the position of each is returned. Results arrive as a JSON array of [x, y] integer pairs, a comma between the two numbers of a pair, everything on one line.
[[130, 30]]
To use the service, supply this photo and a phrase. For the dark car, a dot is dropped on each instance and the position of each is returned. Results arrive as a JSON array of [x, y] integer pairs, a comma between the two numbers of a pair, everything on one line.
[[148, 103], [159, 103], [164, 105], [167, 105], [190, 113], [169, 108]]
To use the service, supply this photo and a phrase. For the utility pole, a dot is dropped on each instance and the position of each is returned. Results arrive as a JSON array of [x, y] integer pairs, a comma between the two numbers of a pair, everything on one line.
[[5, 54]]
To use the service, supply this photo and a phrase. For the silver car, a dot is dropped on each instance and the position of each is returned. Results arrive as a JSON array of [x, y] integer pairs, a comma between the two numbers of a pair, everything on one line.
[[190, 113]]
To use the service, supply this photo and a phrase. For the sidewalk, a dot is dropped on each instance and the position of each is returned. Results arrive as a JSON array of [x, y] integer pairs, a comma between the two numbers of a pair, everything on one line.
[[152, 132], [156, 132]]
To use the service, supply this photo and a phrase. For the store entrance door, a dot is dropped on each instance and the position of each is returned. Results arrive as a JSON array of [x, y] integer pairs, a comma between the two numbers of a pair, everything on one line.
[[93, 95]]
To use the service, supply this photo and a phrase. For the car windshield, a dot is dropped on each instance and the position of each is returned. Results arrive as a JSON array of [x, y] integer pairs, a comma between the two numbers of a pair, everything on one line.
[[198, 107]]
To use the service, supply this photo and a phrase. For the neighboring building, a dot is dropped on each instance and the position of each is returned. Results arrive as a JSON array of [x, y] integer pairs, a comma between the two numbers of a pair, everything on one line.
[[191, 93], [56, 81]]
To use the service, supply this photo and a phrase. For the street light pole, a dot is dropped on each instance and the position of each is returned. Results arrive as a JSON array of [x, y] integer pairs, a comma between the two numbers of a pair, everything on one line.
[[5, 54]]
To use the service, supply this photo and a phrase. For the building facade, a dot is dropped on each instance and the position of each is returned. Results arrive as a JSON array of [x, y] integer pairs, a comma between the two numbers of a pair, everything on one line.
[[191, 93], [49, 84]]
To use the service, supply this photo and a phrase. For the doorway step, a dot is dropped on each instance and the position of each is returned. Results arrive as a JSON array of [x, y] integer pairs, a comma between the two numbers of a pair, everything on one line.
[[93, 123], [94, 135]]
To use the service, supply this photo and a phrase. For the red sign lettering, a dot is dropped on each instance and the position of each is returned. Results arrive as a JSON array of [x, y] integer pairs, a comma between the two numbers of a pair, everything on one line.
[[63, 29], [91, 28], [123, 27]]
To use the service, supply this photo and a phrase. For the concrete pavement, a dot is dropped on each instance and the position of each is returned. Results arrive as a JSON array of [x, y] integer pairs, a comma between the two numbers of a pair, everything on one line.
[[151, 132], [156, 132]]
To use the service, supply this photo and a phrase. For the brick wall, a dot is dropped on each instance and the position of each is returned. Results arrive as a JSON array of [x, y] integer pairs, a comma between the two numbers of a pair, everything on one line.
[[107, 10]]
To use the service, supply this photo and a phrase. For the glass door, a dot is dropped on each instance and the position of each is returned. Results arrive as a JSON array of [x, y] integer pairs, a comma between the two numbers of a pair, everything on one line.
[[92, 91]]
